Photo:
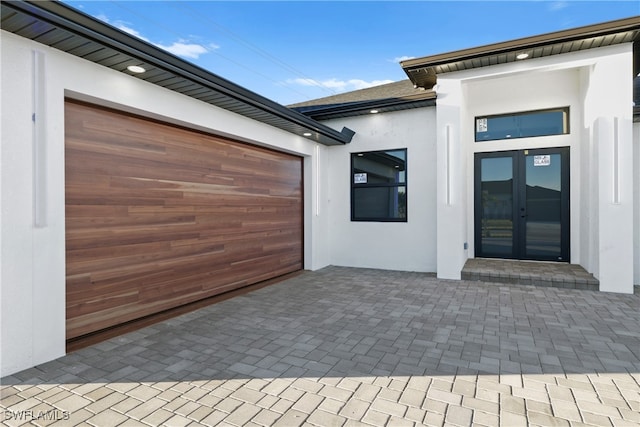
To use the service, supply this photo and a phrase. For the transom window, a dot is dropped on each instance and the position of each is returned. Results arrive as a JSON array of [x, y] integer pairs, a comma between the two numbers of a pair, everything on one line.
[[379, 186], [522, 125]]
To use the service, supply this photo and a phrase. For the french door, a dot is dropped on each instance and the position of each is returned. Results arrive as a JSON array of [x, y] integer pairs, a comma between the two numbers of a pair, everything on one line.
[[522, 204]]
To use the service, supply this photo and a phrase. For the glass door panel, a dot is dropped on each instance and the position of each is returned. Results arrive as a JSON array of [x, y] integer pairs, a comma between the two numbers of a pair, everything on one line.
[[543, 204], [522, 204], [496, 211]]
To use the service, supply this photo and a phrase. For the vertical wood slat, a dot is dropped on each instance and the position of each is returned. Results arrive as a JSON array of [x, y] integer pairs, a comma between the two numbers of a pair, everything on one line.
[[158, 216]]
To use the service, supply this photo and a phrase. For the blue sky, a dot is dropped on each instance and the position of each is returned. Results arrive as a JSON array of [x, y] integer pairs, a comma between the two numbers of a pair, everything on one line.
[[293, 51]]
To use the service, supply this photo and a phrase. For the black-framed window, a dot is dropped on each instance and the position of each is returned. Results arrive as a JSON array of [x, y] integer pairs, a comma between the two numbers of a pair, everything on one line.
[[522, 125], [379, 185]]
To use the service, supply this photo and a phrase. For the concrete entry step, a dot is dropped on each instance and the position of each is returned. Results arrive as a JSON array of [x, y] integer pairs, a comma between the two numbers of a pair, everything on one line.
[[536, 273]]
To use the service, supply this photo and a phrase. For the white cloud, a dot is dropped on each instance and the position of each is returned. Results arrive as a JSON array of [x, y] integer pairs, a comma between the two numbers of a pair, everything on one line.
[[340, 85], [557, 5], [362, 84], [402, 58], [336, 84], [122, 26], [305, 82], [180, 48], [186, 50], [312, 82]]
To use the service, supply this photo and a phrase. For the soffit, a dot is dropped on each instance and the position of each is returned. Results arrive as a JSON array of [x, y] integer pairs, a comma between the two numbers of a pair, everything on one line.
[[59, 26], [423, 71]]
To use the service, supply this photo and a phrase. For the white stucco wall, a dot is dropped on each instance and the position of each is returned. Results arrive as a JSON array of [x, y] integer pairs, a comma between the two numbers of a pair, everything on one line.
[[32, 264], [636, 200], [408, 246]]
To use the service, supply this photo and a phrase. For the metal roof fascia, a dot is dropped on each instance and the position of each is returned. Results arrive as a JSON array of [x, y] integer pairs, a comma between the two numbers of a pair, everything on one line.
[[364, 107], [76, 22]]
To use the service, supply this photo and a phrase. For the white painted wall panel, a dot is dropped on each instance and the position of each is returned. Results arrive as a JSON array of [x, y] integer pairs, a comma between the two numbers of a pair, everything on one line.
[[410, 245], [17, 309], [636, 200]]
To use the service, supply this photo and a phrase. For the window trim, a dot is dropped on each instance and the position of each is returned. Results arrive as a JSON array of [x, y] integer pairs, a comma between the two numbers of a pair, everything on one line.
[[566, 123], [354, 186]]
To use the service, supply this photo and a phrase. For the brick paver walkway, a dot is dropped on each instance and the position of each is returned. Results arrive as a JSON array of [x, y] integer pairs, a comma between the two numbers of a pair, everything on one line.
[[536, 273], [345, 346]]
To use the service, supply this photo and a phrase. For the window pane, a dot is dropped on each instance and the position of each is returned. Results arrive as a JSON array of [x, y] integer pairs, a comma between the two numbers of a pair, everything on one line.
[[544, 207], [522, 125], [379, 203], [496, 215], [380, 167]]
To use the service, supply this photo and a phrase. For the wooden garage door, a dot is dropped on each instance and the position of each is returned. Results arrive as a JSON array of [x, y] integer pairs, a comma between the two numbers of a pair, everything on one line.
[[158, 216]]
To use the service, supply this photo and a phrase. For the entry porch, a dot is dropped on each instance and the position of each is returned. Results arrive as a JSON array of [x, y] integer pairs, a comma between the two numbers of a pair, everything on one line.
[[536, 273]]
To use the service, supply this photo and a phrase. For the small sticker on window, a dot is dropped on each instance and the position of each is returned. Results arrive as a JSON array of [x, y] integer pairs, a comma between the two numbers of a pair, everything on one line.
[[359, 178], [481, 125], [542, 160]]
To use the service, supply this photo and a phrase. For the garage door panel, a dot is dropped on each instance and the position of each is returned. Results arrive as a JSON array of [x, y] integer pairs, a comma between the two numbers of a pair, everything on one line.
[[158, 296], [106, 301], [116, 238], [246, 167], [109, 145], [132, 220], [117, 259], [159, 216], [103, 319], [156, 167]]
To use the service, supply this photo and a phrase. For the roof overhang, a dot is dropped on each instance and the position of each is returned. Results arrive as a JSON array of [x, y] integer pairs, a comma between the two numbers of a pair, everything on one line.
[[359, 108], [423, 71], [57, 25]]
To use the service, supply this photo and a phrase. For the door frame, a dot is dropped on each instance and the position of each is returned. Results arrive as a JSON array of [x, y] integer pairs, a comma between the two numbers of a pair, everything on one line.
[[519, 200]]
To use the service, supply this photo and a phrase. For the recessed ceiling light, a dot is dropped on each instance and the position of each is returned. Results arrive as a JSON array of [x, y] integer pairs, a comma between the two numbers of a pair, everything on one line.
[[307, 134], [374, 111], [522, 56], [136, 69]]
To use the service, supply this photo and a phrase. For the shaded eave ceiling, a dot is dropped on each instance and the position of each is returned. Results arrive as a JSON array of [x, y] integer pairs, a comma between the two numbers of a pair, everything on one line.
[[62, 27], [423, 71]]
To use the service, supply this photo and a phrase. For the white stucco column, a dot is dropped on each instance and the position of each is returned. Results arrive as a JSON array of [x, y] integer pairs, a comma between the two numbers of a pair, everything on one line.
[[608, 111], [450, 182], [615, 204], [316, 211], [32, 299], [636, 200]]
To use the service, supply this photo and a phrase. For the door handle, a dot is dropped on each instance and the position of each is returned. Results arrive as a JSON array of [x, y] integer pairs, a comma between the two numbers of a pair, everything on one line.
[[523, 213]]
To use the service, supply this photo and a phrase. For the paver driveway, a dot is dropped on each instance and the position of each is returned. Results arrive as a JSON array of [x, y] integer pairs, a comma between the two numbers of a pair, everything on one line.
[[346, 346]]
